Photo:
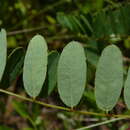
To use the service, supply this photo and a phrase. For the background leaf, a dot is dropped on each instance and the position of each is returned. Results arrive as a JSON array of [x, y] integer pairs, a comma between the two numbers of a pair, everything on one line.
[[53, 59], [35, 66], [92, 57], [109, 78], [3, 51], [2, 127], [13, 67], [72, 74], [104, 24]]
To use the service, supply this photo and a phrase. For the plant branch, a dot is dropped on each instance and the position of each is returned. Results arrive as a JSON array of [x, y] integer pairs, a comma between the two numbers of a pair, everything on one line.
[[60, 107], [101, 123], [33, 100], [25, 31]]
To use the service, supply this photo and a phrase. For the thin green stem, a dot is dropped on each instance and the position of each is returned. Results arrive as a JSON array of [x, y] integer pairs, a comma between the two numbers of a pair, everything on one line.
[[32, 100], [60, 107], [101, 123], [27, 30]]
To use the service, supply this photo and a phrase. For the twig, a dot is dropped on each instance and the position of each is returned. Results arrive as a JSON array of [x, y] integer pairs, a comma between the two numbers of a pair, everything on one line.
[[101, 123], [25, 31], [62, 108]]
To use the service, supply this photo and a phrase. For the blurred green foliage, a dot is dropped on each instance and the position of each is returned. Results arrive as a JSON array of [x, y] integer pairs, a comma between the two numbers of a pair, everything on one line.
[[24, 18]]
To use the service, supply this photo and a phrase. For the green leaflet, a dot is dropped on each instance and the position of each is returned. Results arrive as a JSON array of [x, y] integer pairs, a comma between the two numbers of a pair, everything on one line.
[[13, 67], [35, 66], [63, 20], [109, 78], [52, 70], [101, 25], [75, 23], [72, 74], [86, 22], [3, 52], [127, 90], [116, 22]]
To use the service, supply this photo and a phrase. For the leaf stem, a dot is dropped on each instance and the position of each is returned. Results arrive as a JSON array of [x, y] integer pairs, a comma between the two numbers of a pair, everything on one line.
[[60, 107]]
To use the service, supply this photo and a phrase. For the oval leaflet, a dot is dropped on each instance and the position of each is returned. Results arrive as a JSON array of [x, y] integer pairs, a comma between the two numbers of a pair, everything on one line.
[[127, 90], [3, 52], [72, 74], [35, 66], [109, 78]]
